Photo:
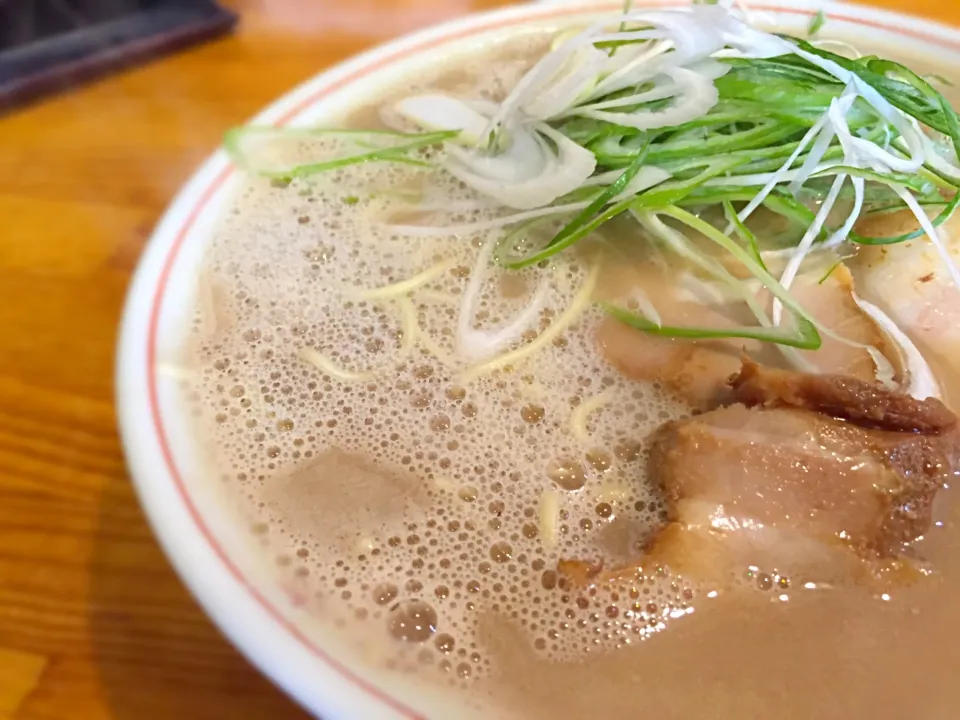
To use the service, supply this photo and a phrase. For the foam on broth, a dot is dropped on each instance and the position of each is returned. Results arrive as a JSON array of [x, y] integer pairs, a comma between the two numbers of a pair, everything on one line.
[[407, 508]]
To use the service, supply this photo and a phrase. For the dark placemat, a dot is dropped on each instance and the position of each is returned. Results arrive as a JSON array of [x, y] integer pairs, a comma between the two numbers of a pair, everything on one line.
[[51, 45]]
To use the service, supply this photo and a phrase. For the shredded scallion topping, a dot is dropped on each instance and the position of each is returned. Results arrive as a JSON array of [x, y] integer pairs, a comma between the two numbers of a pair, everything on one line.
[[681, 121]]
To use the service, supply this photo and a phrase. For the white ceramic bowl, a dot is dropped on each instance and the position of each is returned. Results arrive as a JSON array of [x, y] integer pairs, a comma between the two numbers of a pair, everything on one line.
[[199, 539]]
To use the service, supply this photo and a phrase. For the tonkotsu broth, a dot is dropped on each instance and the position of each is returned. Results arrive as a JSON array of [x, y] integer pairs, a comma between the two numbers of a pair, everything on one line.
[[409, 497]]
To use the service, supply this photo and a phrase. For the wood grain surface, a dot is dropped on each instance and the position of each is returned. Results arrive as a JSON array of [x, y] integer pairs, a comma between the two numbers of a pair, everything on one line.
[[93, 622]]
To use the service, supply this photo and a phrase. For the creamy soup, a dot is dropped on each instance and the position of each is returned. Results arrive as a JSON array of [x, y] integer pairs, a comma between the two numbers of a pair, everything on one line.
[[520, 528]]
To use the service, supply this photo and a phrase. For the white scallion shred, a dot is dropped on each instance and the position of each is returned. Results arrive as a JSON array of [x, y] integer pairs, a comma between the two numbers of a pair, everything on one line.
[[553, 331], [920, 382], [475, 344]]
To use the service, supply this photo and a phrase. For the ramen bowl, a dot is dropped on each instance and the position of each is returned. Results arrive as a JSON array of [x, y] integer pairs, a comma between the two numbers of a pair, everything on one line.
[[204, 543]]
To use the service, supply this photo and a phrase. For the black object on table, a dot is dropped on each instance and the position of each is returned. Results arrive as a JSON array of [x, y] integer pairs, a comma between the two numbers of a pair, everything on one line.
[[51, 45]]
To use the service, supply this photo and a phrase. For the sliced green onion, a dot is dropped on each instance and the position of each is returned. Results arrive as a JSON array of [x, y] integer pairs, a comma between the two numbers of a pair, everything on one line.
[[816, 23], [881, 208], [370, 142], [939, 220], [902, 95], [950, 118], [829, 272], [627, 4], [763, 133], [670, 193], [806, 327], [751, 240], [586, 221], [916, 183], [934, 77], [808, 340]]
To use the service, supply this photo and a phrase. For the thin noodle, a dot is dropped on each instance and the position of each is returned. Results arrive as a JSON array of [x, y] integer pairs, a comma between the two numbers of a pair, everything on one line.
[[411, 328], [549, 517], [325, 364], [405, 287], [578, 418]]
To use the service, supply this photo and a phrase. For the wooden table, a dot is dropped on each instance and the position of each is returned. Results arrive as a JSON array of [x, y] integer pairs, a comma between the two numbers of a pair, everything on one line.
[[93, 622]]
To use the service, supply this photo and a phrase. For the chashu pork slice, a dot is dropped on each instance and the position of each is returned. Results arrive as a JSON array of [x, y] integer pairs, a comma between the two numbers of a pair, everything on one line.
[[822, 458], [806, 475]]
